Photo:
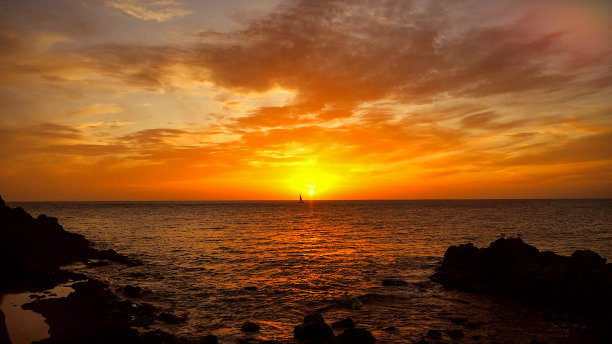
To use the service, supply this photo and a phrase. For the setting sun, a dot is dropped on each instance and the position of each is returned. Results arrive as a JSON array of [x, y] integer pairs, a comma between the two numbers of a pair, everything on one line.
[[372, 107]]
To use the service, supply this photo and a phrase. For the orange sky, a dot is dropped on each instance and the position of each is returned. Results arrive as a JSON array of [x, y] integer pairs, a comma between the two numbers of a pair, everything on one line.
[[211, 100]]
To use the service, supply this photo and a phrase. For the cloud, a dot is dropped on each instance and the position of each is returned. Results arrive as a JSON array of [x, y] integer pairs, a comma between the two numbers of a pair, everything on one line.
[[157, 10], [404, 92]]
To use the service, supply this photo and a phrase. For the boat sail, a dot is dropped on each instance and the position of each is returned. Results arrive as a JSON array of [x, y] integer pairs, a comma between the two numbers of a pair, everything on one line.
[[300, 201]]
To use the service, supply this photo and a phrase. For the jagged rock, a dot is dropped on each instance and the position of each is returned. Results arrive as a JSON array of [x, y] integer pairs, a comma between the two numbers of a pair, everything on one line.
[[313, 329], [250, 327], [32, 250], [343, 324], [354, 336], [582, 282]]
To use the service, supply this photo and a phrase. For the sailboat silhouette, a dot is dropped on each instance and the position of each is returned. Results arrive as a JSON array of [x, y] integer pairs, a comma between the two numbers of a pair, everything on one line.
[[300, 201]]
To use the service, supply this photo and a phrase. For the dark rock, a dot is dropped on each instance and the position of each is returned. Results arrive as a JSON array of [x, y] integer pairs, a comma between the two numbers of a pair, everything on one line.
[[33, 250], [252, 288], [132, 291], [354, 336], [171, 319], [512, 268], [313, 329], [269, 342], [343, 324], [456, 334], [90, 314], [4, 337], [250, 327], [587, 257], [422, 341], [434, 334], [394, 283], [389, 329], [209, 339]]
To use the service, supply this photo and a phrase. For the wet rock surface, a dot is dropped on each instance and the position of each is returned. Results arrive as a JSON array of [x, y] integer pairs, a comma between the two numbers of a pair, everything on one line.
[[512, 268]]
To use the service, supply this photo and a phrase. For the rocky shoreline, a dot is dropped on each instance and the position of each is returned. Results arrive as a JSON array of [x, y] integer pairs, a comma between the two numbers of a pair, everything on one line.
[[511, 268], [33, 250]]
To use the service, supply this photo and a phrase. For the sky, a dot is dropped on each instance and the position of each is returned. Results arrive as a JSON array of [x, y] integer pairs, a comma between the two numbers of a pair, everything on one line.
[[267, 99]]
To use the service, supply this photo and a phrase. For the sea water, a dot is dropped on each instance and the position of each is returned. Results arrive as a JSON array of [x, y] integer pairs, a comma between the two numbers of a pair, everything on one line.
[[329, 256]]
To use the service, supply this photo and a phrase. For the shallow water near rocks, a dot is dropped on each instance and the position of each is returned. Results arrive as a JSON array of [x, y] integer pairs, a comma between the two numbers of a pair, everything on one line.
[[26, 326], [330, 256]]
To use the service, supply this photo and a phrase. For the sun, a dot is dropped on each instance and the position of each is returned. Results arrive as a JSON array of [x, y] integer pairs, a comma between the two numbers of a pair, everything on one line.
[[311, 191]]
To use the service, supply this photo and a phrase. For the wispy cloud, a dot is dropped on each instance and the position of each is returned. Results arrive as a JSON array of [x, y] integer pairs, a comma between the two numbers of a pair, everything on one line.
[[157, 10]]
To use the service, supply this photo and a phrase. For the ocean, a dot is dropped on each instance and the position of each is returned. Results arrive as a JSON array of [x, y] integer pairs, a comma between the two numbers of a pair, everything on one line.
[[330, 256]]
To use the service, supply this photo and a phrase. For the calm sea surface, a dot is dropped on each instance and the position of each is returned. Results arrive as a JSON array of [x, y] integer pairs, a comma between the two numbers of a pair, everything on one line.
[[331, 255]]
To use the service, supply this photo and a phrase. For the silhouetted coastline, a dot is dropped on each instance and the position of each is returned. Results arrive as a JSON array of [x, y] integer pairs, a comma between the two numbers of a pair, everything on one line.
[[33, 250], [509, 267]]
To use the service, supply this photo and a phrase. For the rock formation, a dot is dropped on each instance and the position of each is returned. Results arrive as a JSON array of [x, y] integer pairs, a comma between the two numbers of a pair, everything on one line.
[[510, 267]]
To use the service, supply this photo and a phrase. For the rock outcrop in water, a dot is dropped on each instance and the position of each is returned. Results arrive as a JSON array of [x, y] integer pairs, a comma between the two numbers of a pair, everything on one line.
[[510, 267], [314, 330], [32, 250]]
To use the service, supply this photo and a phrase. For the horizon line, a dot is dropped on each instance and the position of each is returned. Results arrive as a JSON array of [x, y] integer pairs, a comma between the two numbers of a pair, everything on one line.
[[328, 200]]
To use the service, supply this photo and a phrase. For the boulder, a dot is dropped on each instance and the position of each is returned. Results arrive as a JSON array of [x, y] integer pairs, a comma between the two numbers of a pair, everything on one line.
[[343, 324], [354, 336], [250, 327], [512, 268], [132, 291], [313, 329]]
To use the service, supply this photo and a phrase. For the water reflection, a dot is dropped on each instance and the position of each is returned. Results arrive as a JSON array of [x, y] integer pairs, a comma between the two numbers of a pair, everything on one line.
[[323, 255]]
